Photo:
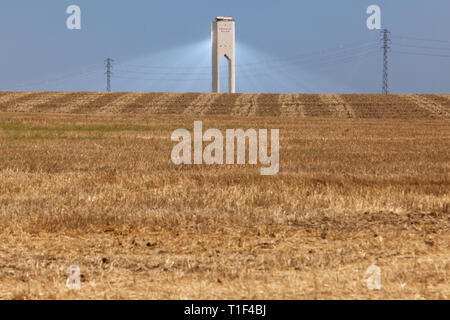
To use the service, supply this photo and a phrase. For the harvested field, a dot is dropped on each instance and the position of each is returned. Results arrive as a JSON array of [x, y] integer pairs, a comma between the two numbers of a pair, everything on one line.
[[363, 180], [293, 105]]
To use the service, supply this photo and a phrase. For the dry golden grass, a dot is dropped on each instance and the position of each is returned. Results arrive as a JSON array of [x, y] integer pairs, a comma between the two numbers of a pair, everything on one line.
[[98, 190], [291, 105]]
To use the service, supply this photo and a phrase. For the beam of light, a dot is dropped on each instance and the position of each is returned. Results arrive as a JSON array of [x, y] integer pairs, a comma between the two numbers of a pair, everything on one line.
[[181, 69], [265, 76], [188, 69]]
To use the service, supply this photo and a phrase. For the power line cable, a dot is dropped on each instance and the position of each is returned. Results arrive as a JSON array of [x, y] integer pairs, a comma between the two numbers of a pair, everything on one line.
[[421, 47], [422, 39], [422, 54], [55, 80]]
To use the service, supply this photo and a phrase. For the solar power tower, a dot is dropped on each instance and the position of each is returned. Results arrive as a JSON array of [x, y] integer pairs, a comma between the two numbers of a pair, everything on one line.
[[223, 45]]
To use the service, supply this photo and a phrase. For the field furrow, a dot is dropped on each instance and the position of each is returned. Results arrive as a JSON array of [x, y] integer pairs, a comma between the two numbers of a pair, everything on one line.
[[268, 105], [79, 100], [32, 103], [99, 100], [55, 102], [338, 107], [12, 101], [442, 102], [446, 98], [433, 108], [246, 105], [224, 104], [201, 103], [364, 107], [314, 106], [118, 104], [290, 105], [161, 104], [358, 106], [181, 102], [142, 102]]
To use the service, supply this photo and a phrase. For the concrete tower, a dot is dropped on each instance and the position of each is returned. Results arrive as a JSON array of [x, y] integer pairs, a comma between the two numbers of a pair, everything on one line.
[[223, 44]]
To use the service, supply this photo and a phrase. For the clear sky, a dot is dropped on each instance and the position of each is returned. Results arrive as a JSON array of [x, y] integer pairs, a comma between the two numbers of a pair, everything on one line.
[[309, 46]]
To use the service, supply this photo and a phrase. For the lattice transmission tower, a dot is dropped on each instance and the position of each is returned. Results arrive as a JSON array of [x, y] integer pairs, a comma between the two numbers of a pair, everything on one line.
[[386, 42]]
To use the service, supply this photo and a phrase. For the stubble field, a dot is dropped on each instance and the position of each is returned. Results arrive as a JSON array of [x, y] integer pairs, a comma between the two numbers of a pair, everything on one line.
[[86, 179]]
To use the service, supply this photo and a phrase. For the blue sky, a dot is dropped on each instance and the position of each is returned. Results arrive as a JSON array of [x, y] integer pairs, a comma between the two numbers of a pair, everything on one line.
[[282, 46]]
